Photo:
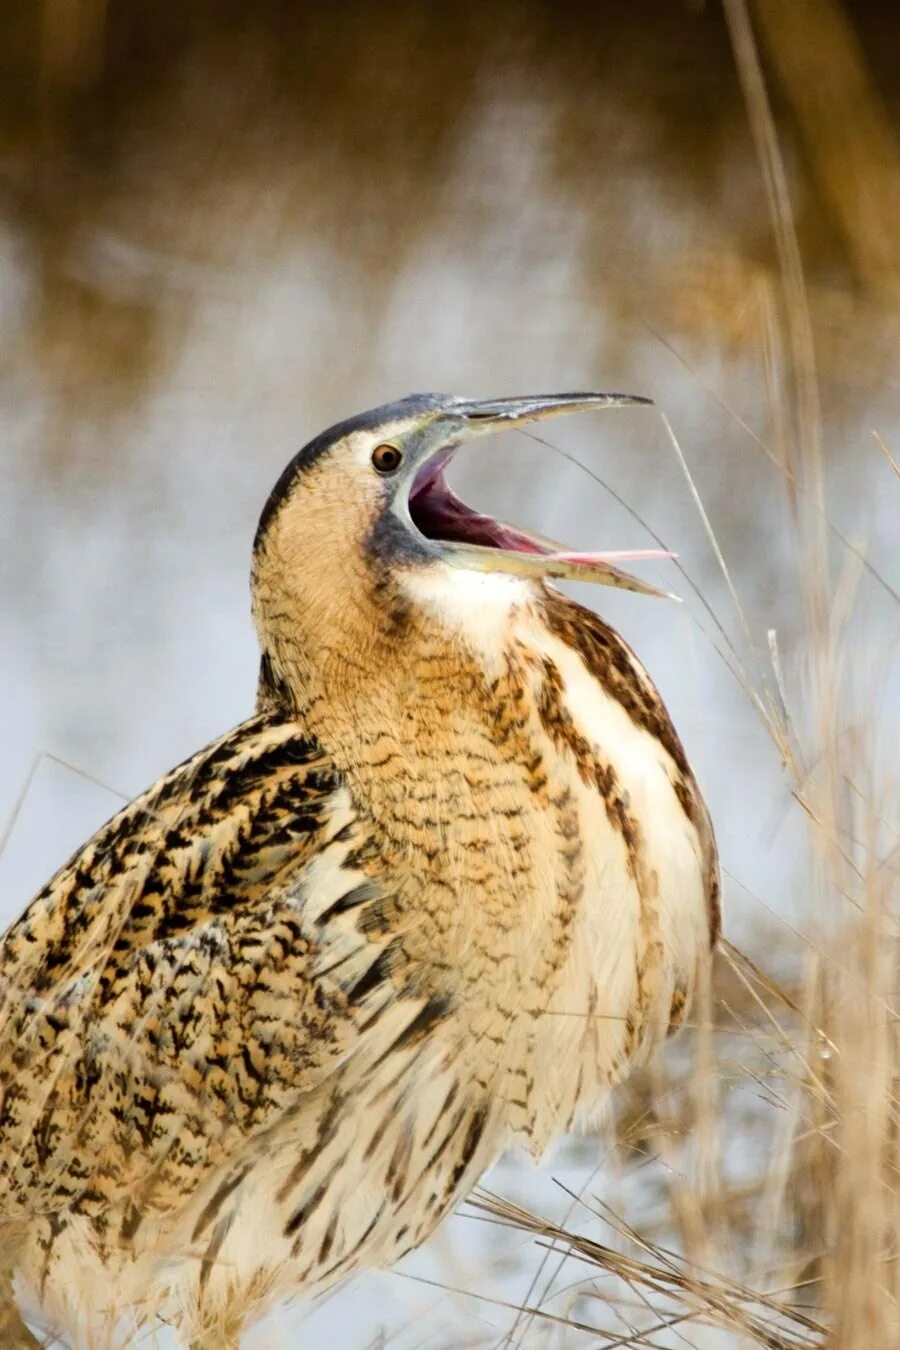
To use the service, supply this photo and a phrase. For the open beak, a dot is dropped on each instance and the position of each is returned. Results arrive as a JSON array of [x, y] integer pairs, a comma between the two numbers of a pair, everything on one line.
[[479, 542]]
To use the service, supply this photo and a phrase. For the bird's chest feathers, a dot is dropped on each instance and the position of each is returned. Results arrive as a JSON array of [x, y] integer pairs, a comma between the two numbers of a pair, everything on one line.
[[513, 791], [546, 855]]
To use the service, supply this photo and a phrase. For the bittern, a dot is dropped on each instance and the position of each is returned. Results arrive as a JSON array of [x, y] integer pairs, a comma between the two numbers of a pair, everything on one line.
[[451, 879]]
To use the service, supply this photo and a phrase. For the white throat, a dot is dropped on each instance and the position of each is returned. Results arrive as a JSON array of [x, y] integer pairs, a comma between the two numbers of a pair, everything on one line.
[[478, 605]]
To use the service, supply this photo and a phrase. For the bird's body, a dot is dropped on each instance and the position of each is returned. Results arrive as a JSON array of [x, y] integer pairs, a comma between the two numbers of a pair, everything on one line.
[[273, 1021]]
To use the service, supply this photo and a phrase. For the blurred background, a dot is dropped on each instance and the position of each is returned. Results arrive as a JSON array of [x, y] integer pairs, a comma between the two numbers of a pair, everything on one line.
[[226, 226]]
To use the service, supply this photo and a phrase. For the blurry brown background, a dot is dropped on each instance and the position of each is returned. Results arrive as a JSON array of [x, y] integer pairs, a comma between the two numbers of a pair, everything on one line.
[[224, 226], [152, 150]]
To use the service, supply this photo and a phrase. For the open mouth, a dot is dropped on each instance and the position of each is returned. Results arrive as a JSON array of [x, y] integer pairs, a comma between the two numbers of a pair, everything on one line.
[[439, 514], [478, 541]]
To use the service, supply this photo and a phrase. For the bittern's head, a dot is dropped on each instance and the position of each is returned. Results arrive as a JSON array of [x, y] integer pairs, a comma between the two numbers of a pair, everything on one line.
[[367, 502]]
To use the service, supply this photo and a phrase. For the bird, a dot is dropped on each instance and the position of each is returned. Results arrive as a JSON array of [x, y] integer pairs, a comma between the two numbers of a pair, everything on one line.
[[451, 880]]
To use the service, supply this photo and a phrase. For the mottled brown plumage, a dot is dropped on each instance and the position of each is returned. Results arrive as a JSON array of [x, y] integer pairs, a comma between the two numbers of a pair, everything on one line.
[[278, 1015]]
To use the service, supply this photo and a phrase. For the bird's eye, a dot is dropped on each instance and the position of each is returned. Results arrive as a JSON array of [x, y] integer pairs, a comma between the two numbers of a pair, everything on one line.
[[387, 458]]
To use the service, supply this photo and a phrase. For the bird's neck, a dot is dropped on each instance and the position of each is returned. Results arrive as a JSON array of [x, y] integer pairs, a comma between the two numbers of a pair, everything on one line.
[[410, 692], [394, 658]]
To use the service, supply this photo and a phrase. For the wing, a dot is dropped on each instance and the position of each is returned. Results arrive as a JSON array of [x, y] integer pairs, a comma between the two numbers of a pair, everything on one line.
[[205, 960]]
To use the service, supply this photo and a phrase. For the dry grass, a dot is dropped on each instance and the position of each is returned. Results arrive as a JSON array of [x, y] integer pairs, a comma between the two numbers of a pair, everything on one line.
[[799, 1245]]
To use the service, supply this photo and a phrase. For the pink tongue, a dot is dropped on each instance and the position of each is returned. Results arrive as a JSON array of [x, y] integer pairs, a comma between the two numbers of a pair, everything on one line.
[[616, 556]]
